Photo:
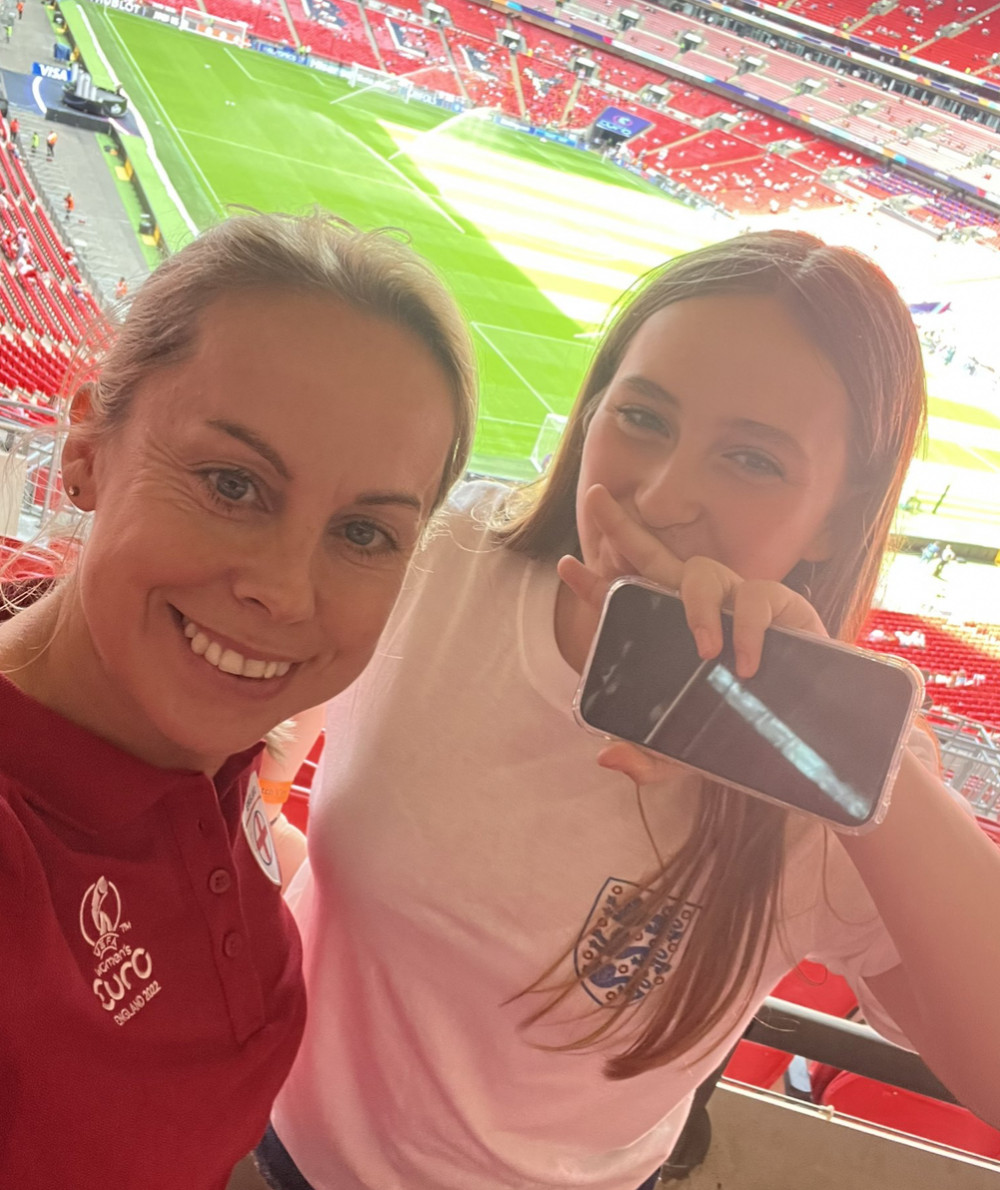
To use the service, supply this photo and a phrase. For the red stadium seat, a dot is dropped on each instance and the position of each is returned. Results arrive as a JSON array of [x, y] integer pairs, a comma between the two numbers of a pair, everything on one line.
[[905, 1111]]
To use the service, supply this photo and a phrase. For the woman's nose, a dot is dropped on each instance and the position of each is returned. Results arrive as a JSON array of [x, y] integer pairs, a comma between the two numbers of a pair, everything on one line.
[[280, 578]]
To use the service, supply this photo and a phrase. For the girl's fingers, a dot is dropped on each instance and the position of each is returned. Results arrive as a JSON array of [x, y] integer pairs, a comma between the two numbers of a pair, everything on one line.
[[753, 614], [637, 548], [706, 587], [585, 583], [637, 765], [758, 605]]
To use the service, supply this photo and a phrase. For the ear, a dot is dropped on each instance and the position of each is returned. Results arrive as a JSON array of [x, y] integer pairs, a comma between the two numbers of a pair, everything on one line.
[[80, 449]]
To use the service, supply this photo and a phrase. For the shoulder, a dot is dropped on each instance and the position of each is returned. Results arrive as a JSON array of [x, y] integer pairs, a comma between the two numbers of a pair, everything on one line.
[[467, 518], [16, 852]]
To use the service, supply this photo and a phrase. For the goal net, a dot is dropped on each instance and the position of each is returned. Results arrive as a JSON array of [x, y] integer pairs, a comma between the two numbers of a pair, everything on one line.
[[221, 28]]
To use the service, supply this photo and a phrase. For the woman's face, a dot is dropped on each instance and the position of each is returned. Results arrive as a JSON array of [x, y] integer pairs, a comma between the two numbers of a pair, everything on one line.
[[725, 432], [253, 521]]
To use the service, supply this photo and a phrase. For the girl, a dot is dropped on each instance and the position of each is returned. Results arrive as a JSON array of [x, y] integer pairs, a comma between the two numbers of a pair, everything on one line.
[[259, 450], [521, 965]]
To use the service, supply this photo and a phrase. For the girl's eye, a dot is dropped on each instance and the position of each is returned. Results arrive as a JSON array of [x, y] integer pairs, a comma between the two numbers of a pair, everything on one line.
[[228, 486], [368, 538], [639, 417], [756, 463]]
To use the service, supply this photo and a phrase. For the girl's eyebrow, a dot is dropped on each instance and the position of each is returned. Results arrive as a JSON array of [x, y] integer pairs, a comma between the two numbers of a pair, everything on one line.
[[780, 438], [649, 388]]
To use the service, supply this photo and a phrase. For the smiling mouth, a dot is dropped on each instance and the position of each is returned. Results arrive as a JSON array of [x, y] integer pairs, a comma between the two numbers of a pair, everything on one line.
[[228, 660]]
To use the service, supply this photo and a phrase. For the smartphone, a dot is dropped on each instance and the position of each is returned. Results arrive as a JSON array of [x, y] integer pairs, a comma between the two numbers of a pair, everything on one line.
[[819, 728]]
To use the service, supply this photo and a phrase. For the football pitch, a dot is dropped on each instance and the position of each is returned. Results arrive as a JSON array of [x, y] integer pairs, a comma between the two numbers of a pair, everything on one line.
[[535, 239]]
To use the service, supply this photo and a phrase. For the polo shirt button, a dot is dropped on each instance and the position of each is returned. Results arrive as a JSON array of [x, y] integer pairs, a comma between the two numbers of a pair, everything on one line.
[[232, 944], [220, 881]]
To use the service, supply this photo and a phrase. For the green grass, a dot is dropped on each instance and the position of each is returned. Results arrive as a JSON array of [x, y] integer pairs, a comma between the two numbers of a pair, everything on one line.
[[534, 239]]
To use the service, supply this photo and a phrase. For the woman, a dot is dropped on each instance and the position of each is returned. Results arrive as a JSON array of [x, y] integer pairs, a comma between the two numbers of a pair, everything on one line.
[[520, 964], [260, 449]]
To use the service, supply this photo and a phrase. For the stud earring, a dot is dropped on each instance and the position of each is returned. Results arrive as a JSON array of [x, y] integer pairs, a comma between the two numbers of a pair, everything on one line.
[[73, 491]]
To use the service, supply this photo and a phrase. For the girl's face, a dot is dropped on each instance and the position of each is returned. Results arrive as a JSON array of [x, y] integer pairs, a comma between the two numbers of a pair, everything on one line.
[[725, 432], [253, 519]]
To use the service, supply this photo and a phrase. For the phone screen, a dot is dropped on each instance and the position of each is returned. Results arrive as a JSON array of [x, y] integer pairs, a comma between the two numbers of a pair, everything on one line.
[[816, 728]]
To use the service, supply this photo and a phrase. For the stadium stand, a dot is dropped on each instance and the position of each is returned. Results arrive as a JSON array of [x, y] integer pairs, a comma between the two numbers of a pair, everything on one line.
[[336, 30], [961, 661]]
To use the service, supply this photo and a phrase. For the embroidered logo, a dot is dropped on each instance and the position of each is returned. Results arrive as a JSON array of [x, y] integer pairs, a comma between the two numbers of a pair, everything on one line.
[[100, 915], [258, 832], [667, 932], [118, 963]]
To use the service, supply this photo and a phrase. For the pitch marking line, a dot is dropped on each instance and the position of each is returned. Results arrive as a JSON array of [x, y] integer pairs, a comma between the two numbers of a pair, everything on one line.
[[307, 162], [236, 62], [161, 173], [976, 455], [478, 327], [163, 112], [388, 165], [528, 334]]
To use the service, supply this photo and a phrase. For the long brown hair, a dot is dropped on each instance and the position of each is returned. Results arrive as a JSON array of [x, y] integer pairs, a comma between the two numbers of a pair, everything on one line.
[[734, 856]]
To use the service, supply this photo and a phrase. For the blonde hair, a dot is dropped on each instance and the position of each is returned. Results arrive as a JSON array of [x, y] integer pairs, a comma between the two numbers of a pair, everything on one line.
[[735, 853], [371, 271]]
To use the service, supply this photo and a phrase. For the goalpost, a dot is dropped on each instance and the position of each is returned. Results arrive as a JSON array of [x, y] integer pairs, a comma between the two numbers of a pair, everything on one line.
[[221, 28]]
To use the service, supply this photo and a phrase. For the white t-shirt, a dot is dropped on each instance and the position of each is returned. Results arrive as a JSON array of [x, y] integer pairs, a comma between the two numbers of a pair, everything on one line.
[[461, 839]]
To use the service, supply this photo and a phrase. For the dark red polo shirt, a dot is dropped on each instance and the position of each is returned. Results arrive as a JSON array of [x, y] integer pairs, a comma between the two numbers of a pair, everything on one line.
[[152, 999]]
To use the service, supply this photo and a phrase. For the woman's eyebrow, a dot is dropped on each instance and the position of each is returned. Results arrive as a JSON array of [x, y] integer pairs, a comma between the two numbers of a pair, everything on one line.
[[249, 438], [406, 499]]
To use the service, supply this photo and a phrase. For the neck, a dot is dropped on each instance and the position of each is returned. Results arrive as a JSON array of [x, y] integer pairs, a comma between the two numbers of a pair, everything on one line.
[[47, 652]]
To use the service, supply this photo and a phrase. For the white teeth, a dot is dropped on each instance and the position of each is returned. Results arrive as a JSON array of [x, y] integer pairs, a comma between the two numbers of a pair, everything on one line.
[[228, 660], [231, 662]]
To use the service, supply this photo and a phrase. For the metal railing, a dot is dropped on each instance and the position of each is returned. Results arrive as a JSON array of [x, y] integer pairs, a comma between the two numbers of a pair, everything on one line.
[[970, 757]]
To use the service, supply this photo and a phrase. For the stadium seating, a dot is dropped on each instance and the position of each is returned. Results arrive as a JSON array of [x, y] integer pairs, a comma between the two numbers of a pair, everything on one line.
[[950, 649], [906, 1111], [809, 985], [336, 31]]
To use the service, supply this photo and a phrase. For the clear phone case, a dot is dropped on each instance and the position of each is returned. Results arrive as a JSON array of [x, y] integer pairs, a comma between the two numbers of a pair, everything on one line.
[[899, 717]]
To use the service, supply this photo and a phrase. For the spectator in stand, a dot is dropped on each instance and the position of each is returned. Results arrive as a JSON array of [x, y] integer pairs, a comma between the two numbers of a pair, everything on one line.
[[50, 144], [121, 289], [20, 9], [521, 965], [947, 555], [34, 142], [241, 561], [15, 130], [69, 202], [26, 269]]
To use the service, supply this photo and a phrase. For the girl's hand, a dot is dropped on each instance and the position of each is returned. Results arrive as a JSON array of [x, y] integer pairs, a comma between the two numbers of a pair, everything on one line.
[[706, 587]]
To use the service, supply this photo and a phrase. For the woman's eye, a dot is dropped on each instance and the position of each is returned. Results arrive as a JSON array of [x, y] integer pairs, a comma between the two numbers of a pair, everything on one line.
[[233, 485], [228, 487], [369, 538]]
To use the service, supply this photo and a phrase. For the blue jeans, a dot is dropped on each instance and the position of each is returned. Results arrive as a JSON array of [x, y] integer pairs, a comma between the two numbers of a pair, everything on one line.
[[276, 1166], [281, 1173]]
